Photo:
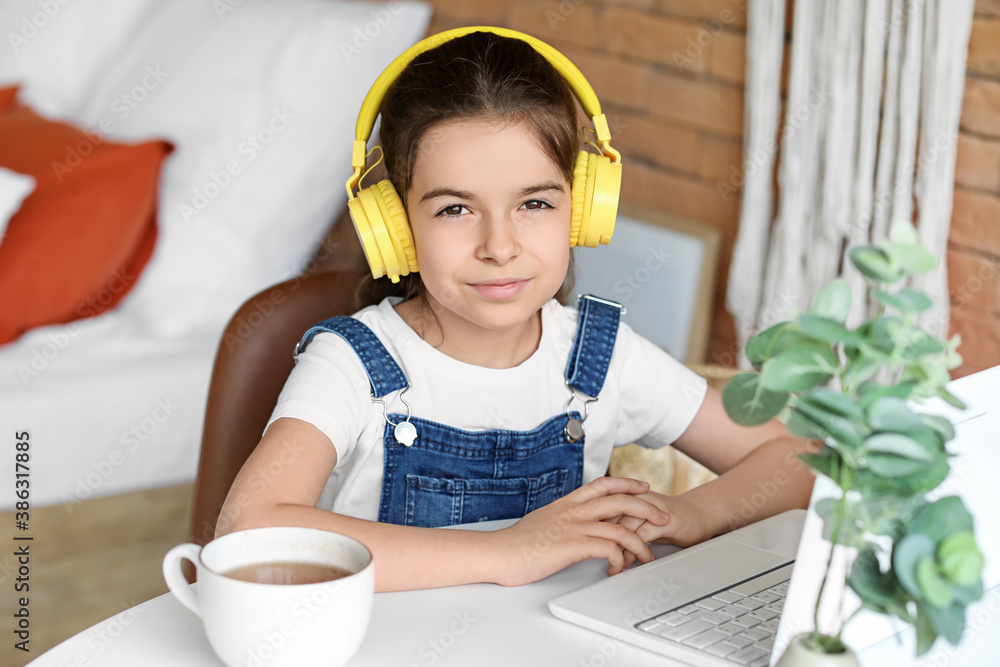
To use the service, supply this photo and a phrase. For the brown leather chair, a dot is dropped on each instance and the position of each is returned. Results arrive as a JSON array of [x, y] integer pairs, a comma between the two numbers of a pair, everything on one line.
[[251, 366]]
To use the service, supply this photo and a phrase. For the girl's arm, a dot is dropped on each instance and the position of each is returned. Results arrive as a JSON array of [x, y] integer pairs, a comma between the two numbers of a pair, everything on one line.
[[282, 480], [759, 475]]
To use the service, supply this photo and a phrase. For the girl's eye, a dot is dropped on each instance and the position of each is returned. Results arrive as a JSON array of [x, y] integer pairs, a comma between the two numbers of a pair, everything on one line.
[[536, 205], [453, 211]]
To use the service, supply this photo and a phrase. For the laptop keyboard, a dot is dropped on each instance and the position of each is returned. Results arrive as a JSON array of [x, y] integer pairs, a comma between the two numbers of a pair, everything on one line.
[[737, 623]]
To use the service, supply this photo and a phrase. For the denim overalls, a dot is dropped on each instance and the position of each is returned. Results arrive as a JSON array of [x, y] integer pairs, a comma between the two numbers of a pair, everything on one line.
[[447, 475]]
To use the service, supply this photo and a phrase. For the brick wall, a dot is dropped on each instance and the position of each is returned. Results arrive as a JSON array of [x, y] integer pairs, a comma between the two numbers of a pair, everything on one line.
[[670, 75]]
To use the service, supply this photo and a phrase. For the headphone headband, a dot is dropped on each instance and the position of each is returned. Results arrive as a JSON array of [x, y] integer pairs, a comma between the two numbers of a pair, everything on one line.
[[569, 71], [373, 100]]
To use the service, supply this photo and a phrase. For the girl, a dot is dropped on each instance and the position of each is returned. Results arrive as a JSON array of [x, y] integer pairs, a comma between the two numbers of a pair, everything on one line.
[[466, 392]]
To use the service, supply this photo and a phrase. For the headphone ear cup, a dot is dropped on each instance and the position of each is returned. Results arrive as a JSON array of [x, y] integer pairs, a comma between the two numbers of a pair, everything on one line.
[[380, 221], [398, 225], [604, 183], [578, 195]]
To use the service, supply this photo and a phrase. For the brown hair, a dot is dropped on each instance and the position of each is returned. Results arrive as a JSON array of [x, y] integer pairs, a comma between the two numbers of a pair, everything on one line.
[[481, 75]]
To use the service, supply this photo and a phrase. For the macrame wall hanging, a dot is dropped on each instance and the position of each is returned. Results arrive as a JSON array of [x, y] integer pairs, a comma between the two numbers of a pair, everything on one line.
[[867, 141]]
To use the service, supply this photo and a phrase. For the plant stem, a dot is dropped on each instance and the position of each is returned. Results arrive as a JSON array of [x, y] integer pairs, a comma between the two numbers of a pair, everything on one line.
[[841, 476]]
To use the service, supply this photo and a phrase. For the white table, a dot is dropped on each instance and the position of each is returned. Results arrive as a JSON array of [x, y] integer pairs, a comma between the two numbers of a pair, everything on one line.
[[482, 625], [474, 625], [478, 624]]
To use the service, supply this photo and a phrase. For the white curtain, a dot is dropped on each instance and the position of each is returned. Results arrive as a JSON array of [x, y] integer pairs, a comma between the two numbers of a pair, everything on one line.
[[867, 141]]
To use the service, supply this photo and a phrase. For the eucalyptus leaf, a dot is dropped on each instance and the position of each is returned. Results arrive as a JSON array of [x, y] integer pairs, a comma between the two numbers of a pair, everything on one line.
[[941, 425], [961, 560], [926, 634], [881, 332], [748, 403], [876, 589], [863, 367], [909, 551], [948, 622], [822, 463], [942, 518], [903, 232], [803, 427], [827, 330], [918, 343], [773, 341], [898, 444], [799, 368], [842, 429], [906, 300], [832, 302], [951, 399], [914, 258], [933, 586], [891, 465], [966, 595], [876, 264], [893, 414], [836, 402]]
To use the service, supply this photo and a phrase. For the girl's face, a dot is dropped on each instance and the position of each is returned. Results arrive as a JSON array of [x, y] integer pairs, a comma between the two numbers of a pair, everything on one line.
[[490, 214]]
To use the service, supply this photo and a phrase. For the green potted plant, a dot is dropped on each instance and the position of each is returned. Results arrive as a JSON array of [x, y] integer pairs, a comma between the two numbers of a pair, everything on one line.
[[852, 390]]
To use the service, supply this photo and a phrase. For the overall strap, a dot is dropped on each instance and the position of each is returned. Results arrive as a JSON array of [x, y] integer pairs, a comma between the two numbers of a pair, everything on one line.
[[595, 339], [383, 371]]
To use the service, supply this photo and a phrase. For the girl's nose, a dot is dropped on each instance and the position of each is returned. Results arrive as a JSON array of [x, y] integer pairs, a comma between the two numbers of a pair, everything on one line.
[[500, 242]]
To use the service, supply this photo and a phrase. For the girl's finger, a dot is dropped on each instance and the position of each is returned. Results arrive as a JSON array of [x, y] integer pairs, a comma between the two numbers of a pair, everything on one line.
[[605, 486], [598, 509]]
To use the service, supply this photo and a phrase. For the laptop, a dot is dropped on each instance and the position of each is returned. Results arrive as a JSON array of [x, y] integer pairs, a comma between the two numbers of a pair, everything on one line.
[[738, 598]]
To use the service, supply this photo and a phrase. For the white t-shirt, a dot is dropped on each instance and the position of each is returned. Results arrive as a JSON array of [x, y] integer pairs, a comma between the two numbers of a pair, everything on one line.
[[648, 397]]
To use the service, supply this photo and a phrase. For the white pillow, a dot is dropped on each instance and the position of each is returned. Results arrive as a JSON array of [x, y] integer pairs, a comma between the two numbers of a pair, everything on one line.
[[14, 188], [260, 98]]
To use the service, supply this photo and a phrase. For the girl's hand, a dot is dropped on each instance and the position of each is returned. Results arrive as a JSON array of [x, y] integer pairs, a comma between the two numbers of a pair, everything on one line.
[[686, 524], [577, 526]]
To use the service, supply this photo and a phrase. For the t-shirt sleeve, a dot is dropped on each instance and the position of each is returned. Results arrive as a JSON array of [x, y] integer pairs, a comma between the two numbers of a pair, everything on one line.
[[659, 395], [329, 389]]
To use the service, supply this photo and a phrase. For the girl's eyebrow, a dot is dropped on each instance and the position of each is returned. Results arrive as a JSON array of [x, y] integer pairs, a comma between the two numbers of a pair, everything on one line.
[[541, 187], [463, 194], [447, 192]]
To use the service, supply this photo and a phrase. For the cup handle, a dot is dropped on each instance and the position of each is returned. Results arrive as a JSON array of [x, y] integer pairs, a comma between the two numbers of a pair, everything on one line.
[[174, 577]]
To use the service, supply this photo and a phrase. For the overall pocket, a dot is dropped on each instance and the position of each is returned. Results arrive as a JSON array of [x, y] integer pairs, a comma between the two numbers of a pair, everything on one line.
[[436, 501]]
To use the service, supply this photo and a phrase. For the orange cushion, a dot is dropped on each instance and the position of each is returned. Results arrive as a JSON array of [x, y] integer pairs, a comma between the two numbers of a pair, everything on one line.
[[80, 240]]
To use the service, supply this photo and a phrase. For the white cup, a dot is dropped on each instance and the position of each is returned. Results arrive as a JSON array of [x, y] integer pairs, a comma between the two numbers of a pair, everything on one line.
[[273, 625]]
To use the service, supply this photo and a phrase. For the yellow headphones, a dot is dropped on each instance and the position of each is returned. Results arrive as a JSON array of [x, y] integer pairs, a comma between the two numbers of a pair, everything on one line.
[[378, 213]]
